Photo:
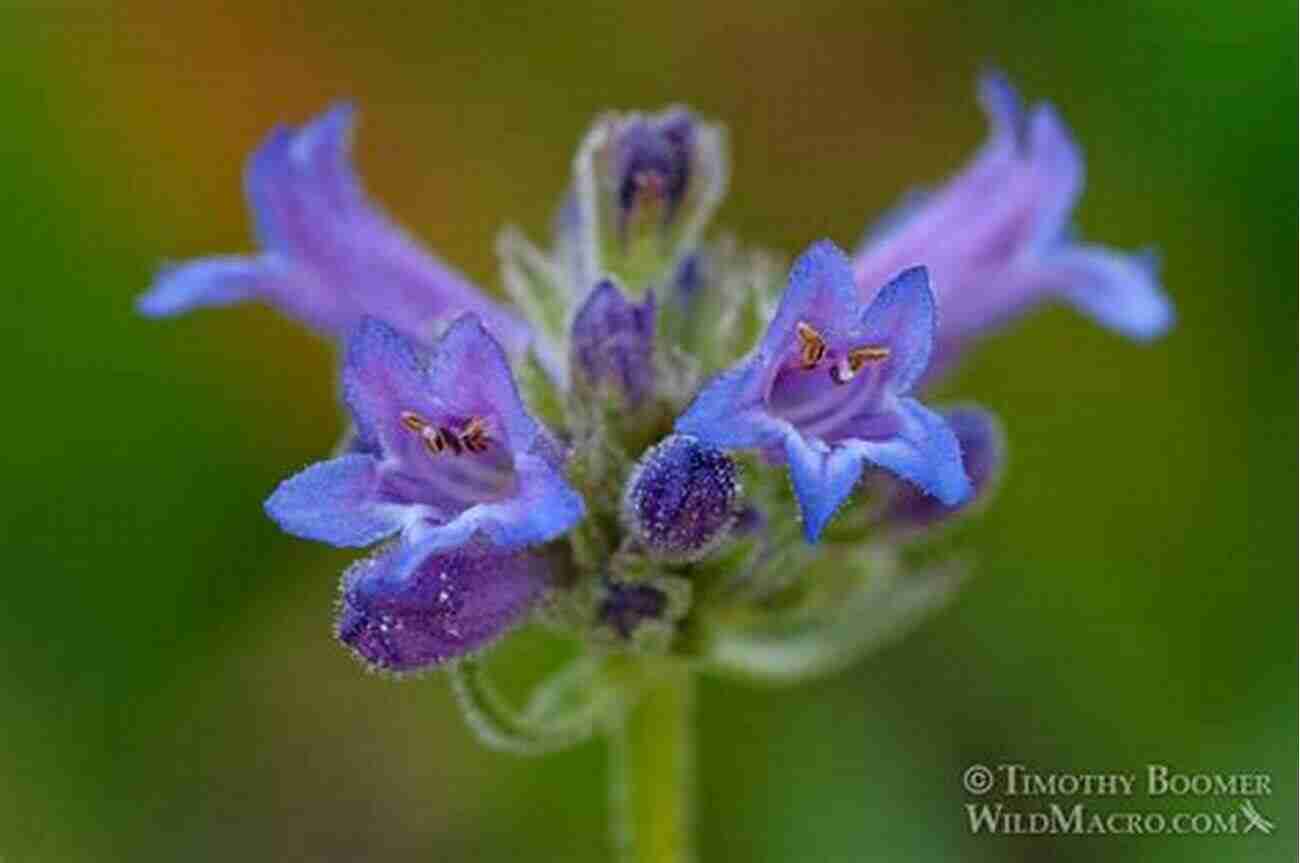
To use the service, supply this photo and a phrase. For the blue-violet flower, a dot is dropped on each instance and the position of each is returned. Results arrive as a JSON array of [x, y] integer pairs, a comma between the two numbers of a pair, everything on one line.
[[329, 255], [445, 451], [825, 391], [996, 237]]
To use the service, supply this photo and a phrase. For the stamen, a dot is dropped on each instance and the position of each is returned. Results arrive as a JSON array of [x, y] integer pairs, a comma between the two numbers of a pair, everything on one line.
[[474, 435], [845, 370], [859, 357], [437, 439], [812, 348]]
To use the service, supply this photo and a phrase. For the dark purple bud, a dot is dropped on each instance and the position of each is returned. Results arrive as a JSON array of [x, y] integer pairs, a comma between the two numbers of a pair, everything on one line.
[[402, 610], [680, 498], [625, 606], [652, 163], [613, 342]]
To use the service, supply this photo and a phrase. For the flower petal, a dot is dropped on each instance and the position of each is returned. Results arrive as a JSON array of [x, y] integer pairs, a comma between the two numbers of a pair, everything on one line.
[[728, 414], [982, 454], [542, 508], [821, 292], [385, 374], [823, 479], [921, 449], [205, 282], [1001, 102], [1120, 291], [1056, 175], [472, 375], [408, 607], [902, 317], [336, 502]]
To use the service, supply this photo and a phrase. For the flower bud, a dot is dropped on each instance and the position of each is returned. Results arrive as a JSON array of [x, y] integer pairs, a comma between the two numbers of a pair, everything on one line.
[[613, 343], [646, 187], [652, 167], [680, 498], [401, 610]]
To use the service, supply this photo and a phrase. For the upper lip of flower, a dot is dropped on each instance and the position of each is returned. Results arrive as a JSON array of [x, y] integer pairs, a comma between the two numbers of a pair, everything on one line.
[[826, 389], [444, 450]]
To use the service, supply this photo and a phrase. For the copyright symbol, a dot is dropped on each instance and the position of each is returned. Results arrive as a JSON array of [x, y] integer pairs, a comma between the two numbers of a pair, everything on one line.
[[977, 779]]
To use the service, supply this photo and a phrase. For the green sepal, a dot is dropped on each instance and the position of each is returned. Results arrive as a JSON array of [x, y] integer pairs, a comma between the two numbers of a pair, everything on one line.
[[541, 393], [726, 315], [558, 724], [790, 648], [539, 289]]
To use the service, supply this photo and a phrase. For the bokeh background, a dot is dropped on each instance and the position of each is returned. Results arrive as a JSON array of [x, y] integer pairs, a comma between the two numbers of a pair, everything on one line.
[[168, 686]]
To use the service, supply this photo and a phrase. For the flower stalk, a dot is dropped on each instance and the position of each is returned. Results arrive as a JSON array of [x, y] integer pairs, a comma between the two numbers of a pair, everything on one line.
[[652, 770]]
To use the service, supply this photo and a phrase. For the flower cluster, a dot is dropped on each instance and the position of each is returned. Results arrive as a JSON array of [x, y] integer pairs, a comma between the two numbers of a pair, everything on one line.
[[668, 443]]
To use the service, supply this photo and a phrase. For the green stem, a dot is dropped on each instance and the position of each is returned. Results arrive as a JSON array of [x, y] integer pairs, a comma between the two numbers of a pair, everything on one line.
[[653, 771]]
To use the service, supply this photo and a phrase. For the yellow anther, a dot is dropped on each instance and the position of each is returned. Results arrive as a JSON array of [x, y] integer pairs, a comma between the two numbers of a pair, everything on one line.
[[848, 367], [859, 357], [437, 439], [812, 348]]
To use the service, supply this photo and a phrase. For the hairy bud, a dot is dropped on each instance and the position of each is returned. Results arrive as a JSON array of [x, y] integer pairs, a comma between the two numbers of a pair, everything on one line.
[[680, 498]]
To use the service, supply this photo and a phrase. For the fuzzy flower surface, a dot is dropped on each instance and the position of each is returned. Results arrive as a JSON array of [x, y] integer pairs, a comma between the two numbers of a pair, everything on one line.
[[826, 390], [445, 451], [997, 240], [406, 608], [329, 256]]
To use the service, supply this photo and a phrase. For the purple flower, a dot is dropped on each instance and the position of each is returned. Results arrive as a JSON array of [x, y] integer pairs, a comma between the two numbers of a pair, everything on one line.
[[405, 608], [825, 390], [329, 255], [613, 342], [996, 237], [680, 499], [445, 451], [982, 454]]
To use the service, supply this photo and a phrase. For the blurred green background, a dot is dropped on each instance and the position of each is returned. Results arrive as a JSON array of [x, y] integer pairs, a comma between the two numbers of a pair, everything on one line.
[[169, 689]]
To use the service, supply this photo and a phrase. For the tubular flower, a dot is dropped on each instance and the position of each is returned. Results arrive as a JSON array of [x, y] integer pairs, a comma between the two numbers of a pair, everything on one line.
[[996, 237], [445, 451], [826, 389], [329, 256]]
